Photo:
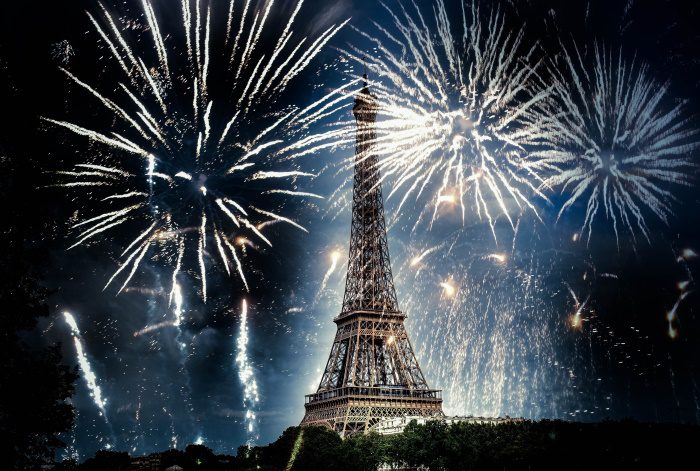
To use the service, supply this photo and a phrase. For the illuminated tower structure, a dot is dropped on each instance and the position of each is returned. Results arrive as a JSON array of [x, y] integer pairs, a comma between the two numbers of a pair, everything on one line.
[[372, 372]]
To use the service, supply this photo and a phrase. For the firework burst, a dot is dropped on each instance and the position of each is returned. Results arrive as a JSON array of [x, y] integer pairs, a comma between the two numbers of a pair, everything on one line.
[[455, 112], [618, 145], [186, 165]]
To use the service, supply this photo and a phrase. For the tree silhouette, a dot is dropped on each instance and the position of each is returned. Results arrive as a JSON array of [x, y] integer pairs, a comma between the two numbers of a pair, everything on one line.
[[34, 384], [105, 460]]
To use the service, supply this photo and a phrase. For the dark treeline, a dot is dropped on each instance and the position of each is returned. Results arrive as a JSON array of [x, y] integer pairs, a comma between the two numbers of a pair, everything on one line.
[[544, 445], [35, 384]]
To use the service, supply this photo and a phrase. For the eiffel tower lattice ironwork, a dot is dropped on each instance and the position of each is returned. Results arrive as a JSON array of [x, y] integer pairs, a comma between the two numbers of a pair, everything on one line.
[[372, 372]]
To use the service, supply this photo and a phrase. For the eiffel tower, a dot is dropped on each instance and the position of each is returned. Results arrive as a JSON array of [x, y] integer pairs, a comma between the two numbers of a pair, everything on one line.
[[372, 372]]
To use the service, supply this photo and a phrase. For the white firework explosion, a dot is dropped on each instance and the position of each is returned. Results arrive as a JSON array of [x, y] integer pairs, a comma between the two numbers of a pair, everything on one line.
[[456, 113], [187, 164], [617, 142]]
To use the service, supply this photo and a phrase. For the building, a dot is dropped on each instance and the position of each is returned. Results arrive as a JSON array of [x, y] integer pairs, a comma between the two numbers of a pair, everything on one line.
[[396, 425], [372, 373], [146, 463]]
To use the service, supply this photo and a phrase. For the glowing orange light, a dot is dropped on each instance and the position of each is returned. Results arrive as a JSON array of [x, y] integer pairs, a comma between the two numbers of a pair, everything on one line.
[[576, 321], [449, 288], [447, 198], [498, 257]]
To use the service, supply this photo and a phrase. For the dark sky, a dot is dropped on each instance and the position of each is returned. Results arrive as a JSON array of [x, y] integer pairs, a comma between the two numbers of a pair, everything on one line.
[[503, 346]]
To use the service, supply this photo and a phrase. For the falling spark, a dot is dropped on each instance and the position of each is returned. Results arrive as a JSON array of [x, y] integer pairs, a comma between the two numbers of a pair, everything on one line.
[[182, 176], [618, 146], [335, 257], [85, 366], [246, 375], [685, 288], [449, 288], [500, 258], [671, 318], [177, 311], [153, 327], [62, 52], [419, 258], [576, 319]]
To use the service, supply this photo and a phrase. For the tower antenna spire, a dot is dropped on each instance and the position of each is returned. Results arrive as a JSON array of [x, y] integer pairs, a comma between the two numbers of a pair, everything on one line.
[[364, 75]]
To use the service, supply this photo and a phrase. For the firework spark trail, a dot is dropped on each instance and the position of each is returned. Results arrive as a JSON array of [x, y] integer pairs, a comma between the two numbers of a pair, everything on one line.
[[153, 327], [449, 288], [497, 257], [88, 374], [173, 433], [576, 320], [618, 146], [685, 288], [335, 257], [193, 166], [455, 114], [246, 375], [419, 258], [139, 440]]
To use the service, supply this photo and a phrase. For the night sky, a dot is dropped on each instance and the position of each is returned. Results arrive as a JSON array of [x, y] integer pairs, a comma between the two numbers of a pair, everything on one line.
[[503, 345]]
